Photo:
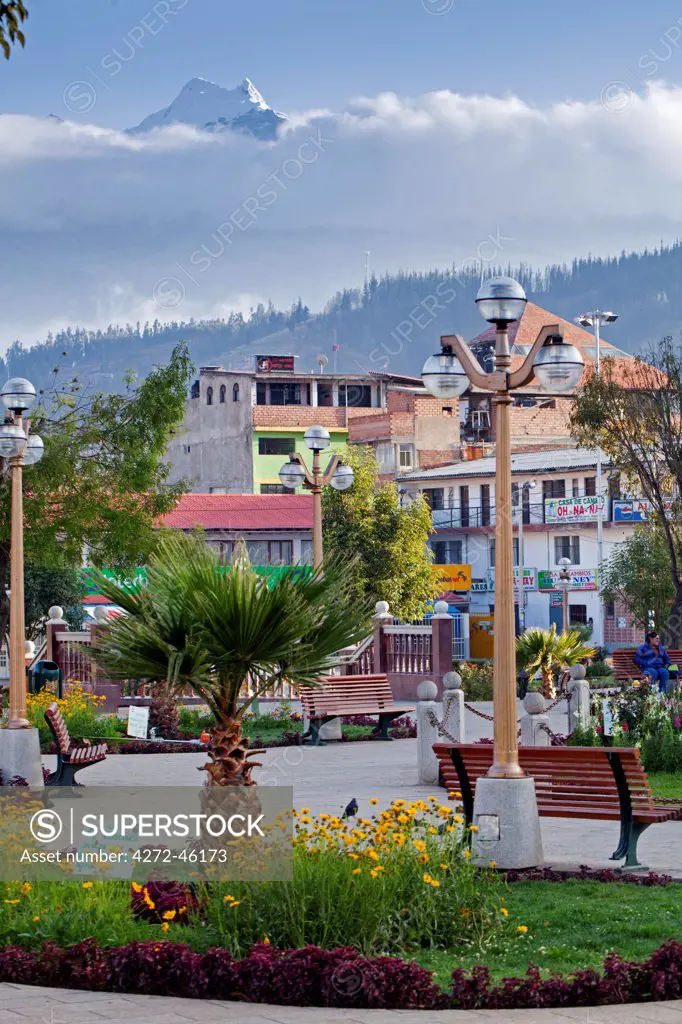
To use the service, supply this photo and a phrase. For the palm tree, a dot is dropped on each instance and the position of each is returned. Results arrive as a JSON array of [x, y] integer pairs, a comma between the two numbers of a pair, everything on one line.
[[548, 651], [213, 628]]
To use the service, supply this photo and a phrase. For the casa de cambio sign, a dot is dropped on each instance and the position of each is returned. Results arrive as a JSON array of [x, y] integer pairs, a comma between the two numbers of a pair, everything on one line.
[[574, 510]]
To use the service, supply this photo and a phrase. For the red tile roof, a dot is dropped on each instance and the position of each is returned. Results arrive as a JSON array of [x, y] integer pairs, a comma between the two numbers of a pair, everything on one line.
[[241, 512]]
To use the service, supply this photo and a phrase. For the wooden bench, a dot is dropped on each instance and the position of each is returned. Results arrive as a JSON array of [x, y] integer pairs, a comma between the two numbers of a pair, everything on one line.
[[598, 783], [70, 758], [350, 695], [625, 667]]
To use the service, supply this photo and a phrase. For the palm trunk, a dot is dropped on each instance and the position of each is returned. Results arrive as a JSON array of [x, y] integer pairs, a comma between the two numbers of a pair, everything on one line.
[[163, 713], [229, 764], [548, 689]]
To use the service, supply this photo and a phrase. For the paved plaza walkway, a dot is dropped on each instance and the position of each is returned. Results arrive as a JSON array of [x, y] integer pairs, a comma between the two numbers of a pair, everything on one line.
[[20, 1004]]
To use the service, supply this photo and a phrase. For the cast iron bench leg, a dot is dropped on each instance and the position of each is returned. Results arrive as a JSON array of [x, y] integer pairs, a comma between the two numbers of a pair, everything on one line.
[[384, 722], [315, 726], [631, 862]]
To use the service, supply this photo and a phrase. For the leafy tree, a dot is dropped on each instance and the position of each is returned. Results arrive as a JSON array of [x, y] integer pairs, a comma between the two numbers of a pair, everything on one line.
[[45, 587], [393, 561], [638, 575], [210, 629], [13, 14], [633, 411], [547, 651], [101, 484]]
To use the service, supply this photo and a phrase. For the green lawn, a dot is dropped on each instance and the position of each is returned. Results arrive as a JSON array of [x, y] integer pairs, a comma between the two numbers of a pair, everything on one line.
[[572, 925], [666, 785]]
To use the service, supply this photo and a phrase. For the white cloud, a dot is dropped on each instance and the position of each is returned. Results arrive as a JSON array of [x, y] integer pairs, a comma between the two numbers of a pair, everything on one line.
[[93, 219]]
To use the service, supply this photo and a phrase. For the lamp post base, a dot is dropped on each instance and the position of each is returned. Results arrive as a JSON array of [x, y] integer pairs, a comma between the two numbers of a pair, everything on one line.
[[506, 815], [20, 755]]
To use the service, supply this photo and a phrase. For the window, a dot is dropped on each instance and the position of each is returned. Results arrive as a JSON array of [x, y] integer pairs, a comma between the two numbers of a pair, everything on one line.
[[224, 551], [577, 613], [464, 505], [553, 489], [223, 389], [567, 547], [187, 448], [235, 392], [209, 396], [358, 395], [285, 394], [276, 445], [447, 552], [435, 498], [196, 390], [575, 488], [609, 610], [217, 490], [276, 489], [590, 486], [261, 393], [515, 552], [405, 456], [485, 504], [614, 485], [269, 552], [307, 552]]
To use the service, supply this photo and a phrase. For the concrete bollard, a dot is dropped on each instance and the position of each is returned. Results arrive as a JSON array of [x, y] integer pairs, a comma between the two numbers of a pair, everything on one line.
[[427, 732], [453, 707], [535, 722]]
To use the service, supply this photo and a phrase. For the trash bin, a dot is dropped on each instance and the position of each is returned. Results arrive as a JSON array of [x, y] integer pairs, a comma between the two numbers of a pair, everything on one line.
[[45, 672]]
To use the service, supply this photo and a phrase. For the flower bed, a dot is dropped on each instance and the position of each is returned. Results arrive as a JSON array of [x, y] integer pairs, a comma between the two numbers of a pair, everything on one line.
[[336, 978]]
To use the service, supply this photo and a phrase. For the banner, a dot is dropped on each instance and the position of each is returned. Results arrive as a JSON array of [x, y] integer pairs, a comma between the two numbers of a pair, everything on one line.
[[636, 510], [530, 579], [581, 579], [453, 577], [574, 510]]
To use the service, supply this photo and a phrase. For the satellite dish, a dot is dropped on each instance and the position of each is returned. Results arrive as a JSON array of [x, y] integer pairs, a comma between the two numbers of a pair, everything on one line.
[[322, 361]]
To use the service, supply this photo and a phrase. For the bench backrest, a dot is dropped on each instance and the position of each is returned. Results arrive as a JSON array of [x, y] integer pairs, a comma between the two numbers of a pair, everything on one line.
[[625, 667], [347, 695], [59, 728], [597, 778]]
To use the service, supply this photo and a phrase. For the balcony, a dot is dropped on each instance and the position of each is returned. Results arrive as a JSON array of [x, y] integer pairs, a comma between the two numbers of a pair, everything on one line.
[[553, 512]]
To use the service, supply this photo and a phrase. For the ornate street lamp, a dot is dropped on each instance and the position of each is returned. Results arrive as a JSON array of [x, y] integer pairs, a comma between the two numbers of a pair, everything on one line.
[[295, 473], [505, 807], [21, 448]]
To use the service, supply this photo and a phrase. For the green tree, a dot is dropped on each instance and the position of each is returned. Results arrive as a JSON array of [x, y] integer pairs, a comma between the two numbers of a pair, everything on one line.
[[632, 410], [212, 629], [547, 651], [13, 14], [45, 587], [390, 542], [101, 484], [638, 575]]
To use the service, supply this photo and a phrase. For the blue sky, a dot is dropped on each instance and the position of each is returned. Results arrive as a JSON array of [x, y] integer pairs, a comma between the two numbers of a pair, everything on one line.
[[308, 53]]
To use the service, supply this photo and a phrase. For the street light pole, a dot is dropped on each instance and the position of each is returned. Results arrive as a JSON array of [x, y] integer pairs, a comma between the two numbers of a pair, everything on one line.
[[505, 803], [17, 628], [295, 473], [564, 584], [595, 319]]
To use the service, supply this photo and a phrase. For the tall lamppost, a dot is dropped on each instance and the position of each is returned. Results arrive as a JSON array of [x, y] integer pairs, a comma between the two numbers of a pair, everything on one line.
[[523, 490], [564, 585], [505, 807], [20, 448], [295, 473], [595, 319]]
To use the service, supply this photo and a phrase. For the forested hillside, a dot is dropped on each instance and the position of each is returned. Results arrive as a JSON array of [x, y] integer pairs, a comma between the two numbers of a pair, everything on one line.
[[392, 322]]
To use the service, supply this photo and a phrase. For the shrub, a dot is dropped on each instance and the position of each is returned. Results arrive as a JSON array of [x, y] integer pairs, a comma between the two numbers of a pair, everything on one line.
[[599, 668], [477, 680], [80, 711]]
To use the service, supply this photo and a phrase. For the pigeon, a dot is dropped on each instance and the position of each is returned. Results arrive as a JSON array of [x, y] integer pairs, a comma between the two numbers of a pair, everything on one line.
[[351, 810]]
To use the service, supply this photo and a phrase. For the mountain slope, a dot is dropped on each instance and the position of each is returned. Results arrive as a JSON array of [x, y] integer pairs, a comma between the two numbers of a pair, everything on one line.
[[212, 108]]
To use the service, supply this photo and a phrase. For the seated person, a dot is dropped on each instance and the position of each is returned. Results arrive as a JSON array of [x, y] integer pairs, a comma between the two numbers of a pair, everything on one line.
[[653, 660]]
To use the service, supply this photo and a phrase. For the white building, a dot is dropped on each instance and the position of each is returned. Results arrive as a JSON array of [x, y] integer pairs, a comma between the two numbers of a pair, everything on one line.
[[556, 511]]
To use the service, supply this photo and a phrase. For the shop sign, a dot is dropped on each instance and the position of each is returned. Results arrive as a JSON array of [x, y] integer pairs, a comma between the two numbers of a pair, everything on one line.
[[574, 510], [530, 579], [453, 577], [636, 510], [581, 579]]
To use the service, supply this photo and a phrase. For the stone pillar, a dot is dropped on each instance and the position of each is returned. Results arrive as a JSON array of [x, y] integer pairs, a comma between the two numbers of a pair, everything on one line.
[[453, 707], [382, 617], [535, 722], [579, 699], [442, 632], [427, 732], [55, 624]]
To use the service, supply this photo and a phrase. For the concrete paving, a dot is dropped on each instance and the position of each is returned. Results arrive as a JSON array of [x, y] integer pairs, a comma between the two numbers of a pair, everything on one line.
[[21, 1004]]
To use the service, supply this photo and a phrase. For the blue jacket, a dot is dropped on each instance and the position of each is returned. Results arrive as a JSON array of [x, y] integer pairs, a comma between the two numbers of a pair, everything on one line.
[[647, 657]]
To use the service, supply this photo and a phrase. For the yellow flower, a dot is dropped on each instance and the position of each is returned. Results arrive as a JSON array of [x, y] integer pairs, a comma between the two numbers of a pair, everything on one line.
[[445, 867], [182, 910], [169, 915], [473, 828], [522, 928], [305, 821], [373, 800], [423, 858], [504, 911], [266, 941], [493, 863], [235, 904], [165, 927], [374, 873], [426, 878], [88, 885], [419, 845], [136, 887], [354, 856], [373, 855], [356, 871], [433, 831], [228, 897], [305, 810], [435, 883], [36, 918], [26, 888], [403, 818], [467, 854], [11, 901]]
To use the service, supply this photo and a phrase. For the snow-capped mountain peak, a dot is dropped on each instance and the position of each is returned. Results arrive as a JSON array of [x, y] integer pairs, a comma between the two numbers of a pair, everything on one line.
[[211, 107]]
